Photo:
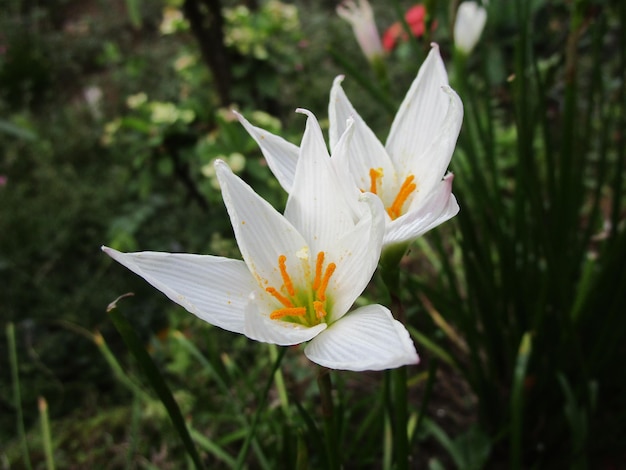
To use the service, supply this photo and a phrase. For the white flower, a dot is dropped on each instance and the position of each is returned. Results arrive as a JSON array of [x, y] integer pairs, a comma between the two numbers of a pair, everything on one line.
[[360, 15], [409, 172], [468, 26], [300, 273]]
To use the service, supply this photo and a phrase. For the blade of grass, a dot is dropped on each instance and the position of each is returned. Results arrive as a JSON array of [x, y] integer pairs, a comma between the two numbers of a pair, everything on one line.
[[115, 366], [154, 377], [444, 440], [237, 409], [211, 447], [133, 437], [243, 453], [517, 400], [17, 394], [434, 348], [45, 432]]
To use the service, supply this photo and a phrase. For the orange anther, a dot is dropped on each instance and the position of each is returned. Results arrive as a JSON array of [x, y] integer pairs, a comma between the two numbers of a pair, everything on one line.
[[375, 173], [278, 296], [288, 312], [318, 306], [321, 290], [406, 189], [318, 270], [282, 259]]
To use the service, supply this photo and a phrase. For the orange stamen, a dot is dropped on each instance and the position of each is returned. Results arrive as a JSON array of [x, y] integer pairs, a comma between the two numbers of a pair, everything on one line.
[[318, 270], [321, 290], [278, 296], [375, 173], [288, 312], [406, 189], [282, 259], [319, 309]]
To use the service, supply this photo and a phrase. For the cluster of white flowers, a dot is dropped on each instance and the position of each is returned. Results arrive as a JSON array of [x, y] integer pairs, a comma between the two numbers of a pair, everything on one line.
[[303, 270]]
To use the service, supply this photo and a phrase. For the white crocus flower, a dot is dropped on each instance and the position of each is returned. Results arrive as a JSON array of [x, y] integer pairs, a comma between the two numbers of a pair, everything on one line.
[[409, 172], [468, 26], [300, 273], [360, 15]]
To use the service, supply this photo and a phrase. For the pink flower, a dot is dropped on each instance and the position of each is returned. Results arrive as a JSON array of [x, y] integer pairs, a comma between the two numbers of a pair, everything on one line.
[[415, 18], [3, 180]]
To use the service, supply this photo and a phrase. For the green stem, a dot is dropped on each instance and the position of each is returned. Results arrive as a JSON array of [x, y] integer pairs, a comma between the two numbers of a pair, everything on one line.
[[390, 262], [17, 396], [280, 383], [330, 430], [401, 441]]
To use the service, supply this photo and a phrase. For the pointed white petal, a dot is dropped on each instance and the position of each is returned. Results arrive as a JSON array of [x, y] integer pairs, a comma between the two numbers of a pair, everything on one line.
[[356, 255], [340, 162], [430, 169], [340, 110], [262, 233], [362, 152], [316, 207], [213, 288], [420, 115], [438, 208], [366, 339], [281, 155], [260, 327]]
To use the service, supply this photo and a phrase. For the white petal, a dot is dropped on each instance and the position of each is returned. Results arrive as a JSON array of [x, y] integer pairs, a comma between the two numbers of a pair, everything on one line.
[[420, 115], [366, 339], [340, 163], [260, 327], [356, 255], [281, 155], [340, 110], [432, 168], [438, 208], [262, 233], [316, 207], [362, 153], [213, 288]]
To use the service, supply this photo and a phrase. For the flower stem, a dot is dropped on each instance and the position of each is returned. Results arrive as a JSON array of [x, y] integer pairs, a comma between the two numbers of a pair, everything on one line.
[[401, 442], [330, 430], [390, 263]]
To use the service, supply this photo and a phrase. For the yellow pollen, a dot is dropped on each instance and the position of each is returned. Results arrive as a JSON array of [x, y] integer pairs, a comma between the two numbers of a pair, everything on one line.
[[318, 270], [406, 189], [288, 312], [278, 296], [318, 306], [282, 259], [310, 310], [321, 290], [375, 173]]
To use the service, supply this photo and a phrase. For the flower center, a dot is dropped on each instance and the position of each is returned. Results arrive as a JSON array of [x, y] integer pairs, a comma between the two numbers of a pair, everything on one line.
[[308, 304], [407, 188]]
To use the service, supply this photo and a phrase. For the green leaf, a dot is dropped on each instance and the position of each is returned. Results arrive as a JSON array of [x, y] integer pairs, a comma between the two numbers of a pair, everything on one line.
[[154, 377]]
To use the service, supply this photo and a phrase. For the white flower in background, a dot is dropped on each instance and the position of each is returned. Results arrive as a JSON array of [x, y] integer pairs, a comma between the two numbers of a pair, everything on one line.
[[93, 97], [300, 273], [409, 172], [468, 26], [360, 15]]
